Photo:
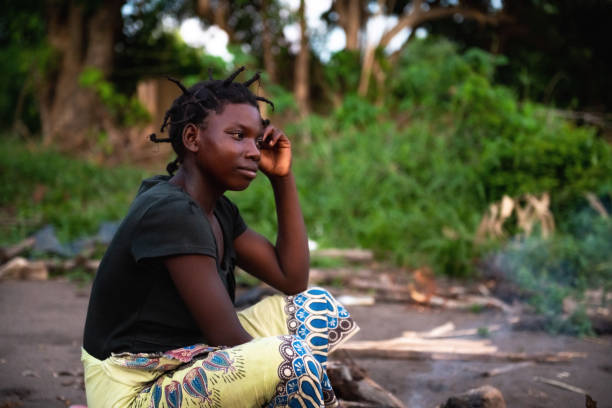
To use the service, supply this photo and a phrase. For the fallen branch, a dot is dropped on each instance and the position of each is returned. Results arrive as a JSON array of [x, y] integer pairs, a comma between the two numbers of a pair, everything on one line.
[[468, 302], [58, 266], [353, 255], [406, 348], [447, 330], [507, 368], [598, 119], [457, 346], [560, 384], [12, 251], [355, 388], [355, 404], [321, 276], [387, 290], [21, 268]]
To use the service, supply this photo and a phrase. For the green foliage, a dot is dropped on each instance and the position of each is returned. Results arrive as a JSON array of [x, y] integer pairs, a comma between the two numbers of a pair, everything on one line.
[[244, 279], [24, 55], [326, 262], [416, 189], [355, 112], [127, 111], [39, 187], [342, 71], [432, 69], [284, 101], [483, 332]]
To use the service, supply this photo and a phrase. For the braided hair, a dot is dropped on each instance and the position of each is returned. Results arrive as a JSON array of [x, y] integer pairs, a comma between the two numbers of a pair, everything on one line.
[[196, 102]]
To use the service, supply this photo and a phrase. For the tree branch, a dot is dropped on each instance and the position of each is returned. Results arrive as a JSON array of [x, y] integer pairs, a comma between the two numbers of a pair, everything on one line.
[[417, 16]]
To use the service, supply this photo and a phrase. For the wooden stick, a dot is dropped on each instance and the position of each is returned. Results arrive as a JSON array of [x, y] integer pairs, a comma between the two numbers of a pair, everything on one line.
[[21, 268], [352, 384], [344, 274], [560, 384], [507, 368], [14, 250], [419, 355], [355, 404], [62, 266], [420, 344], [442, 332], [352, 254]]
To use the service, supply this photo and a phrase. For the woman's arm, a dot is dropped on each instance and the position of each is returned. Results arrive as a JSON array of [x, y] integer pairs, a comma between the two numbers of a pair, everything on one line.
[[285, 265], [198, 283]]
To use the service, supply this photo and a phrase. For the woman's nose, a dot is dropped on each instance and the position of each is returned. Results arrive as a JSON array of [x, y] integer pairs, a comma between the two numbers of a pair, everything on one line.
[[253, 151]]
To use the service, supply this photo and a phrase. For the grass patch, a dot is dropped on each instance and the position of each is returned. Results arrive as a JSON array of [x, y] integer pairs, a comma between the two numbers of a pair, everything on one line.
[[327, 262], [41, 186]]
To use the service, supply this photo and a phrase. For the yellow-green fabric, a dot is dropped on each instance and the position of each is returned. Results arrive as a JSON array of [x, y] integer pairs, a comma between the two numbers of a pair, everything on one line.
[[283, 366]]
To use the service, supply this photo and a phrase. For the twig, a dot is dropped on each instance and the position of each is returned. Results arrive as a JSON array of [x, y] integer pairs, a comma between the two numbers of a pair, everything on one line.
[[560, 384]]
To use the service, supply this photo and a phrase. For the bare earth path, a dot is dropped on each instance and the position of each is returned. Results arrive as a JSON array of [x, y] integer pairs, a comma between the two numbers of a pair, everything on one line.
[[41, 327]]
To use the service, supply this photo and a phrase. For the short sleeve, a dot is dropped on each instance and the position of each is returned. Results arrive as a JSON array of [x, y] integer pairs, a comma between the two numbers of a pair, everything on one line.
[[172, 227]]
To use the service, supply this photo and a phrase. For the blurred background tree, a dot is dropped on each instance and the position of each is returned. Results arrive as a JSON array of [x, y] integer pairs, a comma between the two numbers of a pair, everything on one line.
[[410, 119]]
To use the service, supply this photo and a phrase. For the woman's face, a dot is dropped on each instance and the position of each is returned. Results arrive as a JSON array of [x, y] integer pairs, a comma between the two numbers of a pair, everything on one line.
[[230, 155]]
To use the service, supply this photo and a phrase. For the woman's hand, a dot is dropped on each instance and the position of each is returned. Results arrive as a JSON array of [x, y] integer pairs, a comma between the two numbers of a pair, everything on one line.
[[275, 150]]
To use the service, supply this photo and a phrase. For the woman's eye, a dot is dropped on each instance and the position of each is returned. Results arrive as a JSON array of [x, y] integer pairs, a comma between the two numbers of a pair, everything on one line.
[[237, 135], [259, 142]]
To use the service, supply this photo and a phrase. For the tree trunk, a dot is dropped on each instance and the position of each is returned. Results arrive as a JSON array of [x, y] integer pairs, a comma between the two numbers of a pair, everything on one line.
[[368, 61], [350, 18], [302, 64], [81, 39], [267, 45], [217, 13]]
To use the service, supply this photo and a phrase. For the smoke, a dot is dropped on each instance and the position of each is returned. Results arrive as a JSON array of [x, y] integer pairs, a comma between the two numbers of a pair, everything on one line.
[[553, 274]]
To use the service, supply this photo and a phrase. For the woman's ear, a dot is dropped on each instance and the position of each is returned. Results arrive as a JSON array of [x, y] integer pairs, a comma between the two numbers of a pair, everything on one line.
[[191, 141]]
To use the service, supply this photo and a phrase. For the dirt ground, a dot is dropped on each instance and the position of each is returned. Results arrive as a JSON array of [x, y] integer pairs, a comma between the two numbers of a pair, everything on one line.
[[41, 329]]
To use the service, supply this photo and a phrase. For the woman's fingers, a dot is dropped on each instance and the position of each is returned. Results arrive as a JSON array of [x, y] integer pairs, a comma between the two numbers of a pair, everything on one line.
[[271, 136], [267, 133], [275, 136]]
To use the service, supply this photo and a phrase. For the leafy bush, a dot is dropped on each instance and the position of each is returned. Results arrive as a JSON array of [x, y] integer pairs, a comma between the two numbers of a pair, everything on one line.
[[430, 70]]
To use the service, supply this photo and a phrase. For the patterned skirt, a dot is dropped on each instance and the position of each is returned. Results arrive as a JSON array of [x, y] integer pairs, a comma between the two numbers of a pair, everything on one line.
[[283, 366]]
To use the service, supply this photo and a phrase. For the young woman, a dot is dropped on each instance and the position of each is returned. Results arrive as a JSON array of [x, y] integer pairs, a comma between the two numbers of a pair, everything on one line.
[[161, 327]]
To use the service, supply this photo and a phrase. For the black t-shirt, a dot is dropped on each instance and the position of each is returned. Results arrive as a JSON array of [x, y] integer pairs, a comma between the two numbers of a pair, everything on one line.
[[134, 305]]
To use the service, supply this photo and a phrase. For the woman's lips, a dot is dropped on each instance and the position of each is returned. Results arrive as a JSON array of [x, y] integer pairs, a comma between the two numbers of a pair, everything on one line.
[[249, 172]]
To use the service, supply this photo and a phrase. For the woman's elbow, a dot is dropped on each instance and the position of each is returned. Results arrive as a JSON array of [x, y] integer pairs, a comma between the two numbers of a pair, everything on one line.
[[294, 291], [295, 287]]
